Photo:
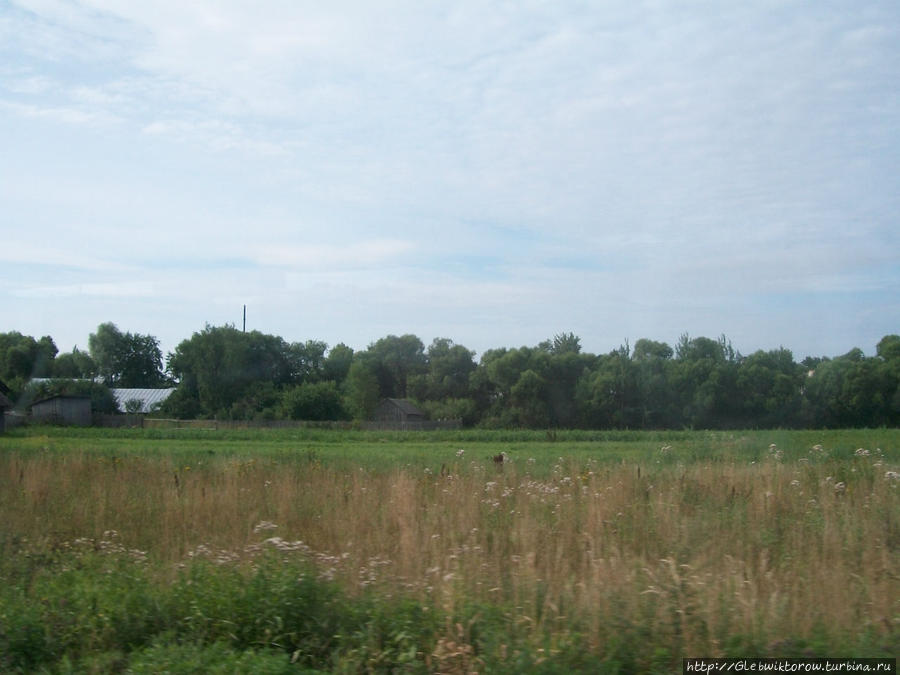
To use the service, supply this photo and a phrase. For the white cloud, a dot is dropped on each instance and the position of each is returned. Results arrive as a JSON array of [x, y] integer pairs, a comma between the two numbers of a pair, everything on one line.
[[216, 134], [325, 256], [629, 158], [64, 114], [118, 289], [19, 252]]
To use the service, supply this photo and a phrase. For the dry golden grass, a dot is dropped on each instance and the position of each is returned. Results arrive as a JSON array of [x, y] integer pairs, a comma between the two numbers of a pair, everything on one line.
[[695, 552]]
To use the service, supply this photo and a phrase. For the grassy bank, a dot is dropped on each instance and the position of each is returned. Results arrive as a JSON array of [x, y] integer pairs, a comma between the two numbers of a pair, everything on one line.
[[273, 553]]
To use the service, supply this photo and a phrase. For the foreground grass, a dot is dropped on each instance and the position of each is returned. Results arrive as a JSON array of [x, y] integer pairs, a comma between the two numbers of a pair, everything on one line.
[[143, 554]]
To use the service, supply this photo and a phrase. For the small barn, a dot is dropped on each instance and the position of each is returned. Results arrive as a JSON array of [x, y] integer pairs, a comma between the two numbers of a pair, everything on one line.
[[61, 409], [398, 411]]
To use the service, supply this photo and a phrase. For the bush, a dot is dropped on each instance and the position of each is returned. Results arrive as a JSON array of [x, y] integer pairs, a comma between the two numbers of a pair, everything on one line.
[[314, 401]]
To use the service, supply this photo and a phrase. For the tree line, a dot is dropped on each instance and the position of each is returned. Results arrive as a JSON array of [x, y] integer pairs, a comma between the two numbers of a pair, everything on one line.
[[222, 372]]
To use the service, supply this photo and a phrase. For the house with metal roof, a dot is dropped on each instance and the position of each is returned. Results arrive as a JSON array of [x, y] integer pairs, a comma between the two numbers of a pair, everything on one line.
[[141, 401]]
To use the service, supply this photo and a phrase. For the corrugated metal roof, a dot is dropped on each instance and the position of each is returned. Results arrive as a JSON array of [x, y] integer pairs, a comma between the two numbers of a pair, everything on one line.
[[148, 397], [405, 406]]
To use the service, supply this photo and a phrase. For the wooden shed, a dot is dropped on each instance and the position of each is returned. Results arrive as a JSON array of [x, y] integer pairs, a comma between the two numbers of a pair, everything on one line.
[[398, 411], [62, 409]]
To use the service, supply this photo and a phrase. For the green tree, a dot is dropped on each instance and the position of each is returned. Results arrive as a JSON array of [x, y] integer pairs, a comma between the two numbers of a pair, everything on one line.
[[337, 363], [652, 361], [307, 361], [448, 368], [563, 371], [888, 351], [126, 359], [852, 391], [224, 368], [74, 365], [704, 374], [315, 401], [528, 401], [888, 348], [361, 389], [22, 357], [769, 385], [562, 343], [395, 359], [607, 395]]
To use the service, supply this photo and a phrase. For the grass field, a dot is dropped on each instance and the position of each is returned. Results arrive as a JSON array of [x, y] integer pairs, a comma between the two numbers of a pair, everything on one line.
[[285, 551]]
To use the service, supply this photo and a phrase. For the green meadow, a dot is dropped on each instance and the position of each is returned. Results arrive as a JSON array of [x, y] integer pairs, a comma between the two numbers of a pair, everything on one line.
[[309, 550]]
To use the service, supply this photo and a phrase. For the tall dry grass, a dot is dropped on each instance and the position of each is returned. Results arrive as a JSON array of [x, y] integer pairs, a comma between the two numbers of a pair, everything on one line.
[[693, 555]]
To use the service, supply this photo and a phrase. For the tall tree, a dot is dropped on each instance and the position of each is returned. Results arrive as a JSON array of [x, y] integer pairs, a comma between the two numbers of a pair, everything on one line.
[[126, 359], [337, 363], [361, 388], [219, 366], [74, 365], [769, 385], [395, 359]]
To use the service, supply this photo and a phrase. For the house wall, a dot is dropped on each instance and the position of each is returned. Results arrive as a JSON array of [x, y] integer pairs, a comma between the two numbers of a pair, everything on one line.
[[388, 412]]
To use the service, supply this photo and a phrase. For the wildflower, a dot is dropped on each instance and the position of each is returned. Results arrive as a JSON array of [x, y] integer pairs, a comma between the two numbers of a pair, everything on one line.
[[893, 476], [840, 487], [264, 526], [861, 452], [795, 483], [460, 453]]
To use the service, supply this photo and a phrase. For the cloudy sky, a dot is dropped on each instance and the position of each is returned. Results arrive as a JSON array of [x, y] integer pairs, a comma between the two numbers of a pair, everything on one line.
[[491, 172]]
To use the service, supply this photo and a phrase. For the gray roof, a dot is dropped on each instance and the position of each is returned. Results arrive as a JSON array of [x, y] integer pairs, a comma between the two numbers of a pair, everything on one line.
[[404, 405], [148, 397]]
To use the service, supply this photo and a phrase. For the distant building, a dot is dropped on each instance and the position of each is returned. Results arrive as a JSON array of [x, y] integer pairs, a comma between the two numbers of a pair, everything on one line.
[[398, 411], [61, 409], [143, 400]]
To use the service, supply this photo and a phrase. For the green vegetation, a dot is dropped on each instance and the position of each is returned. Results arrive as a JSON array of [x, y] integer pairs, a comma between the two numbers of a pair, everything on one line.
[[307, 550], [226, 374]]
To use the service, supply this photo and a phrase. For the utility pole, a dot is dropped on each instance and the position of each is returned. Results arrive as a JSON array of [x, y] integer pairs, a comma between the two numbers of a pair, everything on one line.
[[245, 319]]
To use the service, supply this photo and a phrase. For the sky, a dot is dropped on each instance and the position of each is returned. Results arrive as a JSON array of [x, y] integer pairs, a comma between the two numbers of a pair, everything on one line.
[[495, 173]]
